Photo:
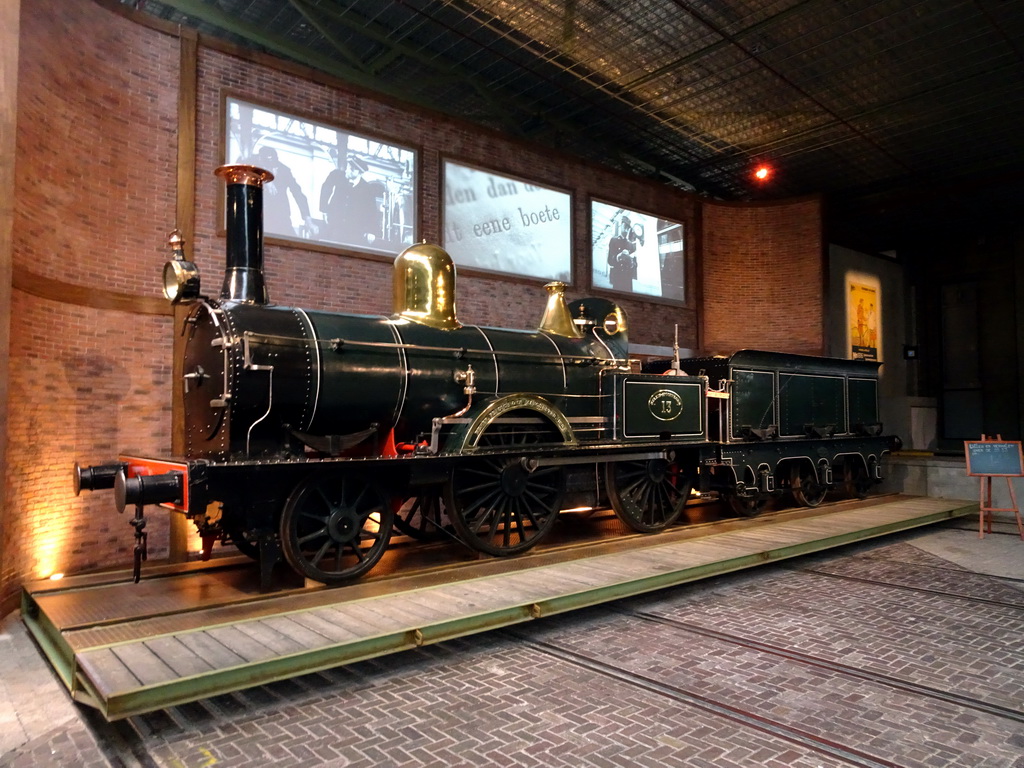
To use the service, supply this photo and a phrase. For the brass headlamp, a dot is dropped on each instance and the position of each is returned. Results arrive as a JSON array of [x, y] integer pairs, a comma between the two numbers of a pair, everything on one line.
[[181, 277]]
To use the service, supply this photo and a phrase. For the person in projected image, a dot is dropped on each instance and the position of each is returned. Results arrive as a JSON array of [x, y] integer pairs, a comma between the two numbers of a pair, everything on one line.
[[277, 212], [351, 204], [622, 253]]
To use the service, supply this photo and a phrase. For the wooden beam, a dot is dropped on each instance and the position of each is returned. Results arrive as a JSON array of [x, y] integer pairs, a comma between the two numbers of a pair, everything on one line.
[[85, 296]]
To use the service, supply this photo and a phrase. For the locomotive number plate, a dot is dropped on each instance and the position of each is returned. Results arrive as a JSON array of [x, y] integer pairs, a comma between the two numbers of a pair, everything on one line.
[[657, 405], [665, 405]]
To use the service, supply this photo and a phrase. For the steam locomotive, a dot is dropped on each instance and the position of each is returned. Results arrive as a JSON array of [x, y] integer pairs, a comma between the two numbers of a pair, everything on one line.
[[312, 434]]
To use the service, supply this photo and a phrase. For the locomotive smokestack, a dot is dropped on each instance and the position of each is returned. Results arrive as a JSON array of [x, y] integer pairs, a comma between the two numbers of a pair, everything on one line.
[[243, 277]]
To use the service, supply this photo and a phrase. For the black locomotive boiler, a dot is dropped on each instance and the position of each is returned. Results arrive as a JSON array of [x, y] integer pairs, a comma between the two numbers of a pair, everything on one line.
[[311, 434]]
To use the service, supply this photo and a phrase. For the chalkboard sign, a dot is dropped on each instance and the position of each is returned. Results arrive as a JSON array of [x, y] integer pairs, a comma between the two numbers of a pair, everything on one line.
[[994, 458]]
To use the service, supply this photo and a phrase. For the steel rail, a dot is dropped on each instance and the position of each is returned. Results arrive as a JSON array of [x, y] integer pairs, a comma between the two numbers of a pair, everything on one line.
[[737, 715], [924, 590]]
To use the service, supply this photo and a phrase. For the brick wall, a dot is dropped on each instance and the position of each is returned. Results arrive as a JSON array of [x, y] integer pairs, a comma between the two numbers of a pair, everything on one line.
[[762, 277], [10, 26], [85, 388], [95, 197], [94, 185], [97, 120]]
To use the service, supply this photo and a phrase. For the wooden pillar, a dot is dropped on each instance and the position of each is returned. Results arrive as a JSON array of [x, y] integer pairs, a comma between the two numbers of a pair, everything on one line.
[[185, 221]]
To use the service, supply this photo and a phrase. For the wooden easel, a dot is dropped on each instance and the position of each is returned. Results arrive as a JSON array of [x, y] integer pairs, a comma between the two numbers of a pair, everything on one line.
[[988, 458]]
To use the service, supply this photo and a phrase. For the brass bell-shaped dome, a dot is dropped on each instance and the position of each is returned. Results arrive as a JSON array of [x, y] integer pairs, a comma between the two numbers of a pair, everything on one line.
[[424, 287], [556, 318]]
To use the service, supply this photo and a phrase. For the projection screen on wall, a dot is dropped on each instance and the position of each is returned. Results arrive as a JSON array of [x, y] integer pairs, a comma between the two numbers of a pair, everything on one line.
[[331, 186], [507, 225], [636, 252]]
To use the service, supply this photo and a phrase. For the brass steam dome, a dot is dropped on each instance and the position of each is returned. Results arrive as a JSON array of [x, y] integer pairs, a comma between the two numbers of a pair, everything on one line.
[[424, 287], [557, 318]]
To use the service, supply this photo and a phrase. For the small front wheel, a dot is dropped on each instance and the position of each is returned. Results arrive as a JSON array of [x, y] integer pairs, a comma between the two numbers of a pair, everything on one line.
[[335, 526]]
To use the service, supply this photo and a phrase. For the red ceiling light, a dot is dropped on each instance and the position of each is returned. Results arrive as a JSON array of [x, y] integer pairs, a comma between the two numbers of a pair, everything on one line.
[[763, 173]]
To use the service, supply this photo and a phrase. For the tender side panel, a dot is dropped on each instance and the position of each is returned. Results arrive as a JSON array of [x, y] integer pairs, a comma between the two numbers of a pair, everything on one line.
[[753, 401], [863, 402], [810, 401]]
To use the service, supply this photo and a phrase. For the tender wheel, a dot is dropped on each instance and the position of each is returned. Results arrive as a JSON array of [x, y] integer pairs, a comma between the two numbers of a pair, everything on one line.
[[421, 517], [498, 507], [335, 527], [649, 495], [747, 506], [807, 491], [856, 480]]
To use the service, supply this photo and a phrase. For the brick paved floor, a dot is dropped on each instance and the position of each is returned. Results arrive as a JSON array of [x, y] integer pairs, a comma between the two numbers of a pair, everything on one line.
[[39, 724], [662, 680]]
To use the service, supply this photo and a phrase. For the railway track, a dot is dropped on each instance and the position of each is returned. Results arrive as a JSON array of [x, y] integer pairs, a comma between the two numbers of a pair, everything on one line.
[[909, 588], [829, 665], [957, 571], [745, 718]]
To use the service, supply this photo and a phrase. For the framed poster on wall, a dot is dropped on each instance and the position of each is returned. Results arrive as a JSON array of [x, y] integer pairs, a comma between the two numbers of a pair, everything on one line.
[[863, 316], [504, 224], [637, 253], [331, 186]]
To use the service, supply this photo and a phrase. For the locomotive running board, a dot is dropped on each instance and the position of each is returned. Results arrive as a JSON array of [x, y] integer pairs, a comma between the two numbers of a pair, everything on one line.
[[173, 659]]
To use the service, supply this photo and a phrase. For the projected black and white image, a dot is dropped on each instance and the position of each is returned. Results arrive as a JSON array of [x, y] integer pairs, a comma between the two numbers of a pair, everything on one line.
[[635, 252], [331, 186], [502, 224]]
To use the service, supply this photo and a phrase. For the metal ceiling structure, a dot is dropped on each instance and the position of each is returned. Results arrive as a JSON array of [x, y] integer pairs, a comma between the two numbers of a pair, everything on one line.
[[908, 115]]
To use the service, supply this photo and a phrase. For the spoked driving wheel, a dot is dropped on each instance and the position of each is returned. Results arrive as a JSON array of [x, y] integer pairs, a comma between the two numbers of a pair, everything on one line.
[[856, 479], [421, 517], [495, 504], [647, 495], [335, 526], [806, 489]]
